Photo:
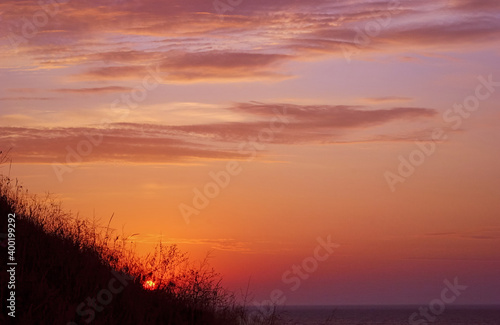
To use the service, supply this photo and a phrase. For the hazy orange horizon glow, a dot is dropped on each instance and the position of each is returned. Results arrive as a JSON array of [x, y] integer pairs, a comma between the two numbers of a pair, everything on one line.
[[339, 152]]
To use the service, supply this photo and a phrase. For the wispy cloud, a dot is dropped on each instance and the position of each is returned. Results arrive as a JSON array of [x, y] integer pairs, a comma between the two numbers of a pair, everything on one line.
[[145, 143], [192, 43], [125, 144], [23, 98], [98, 90], [203, 66], [388, 99], [223, 244]]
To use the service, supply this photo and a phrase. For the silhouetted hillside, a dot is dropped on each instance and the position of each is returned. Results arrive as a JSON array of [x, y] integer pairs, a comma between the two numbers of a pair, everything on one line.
[[68, 272]]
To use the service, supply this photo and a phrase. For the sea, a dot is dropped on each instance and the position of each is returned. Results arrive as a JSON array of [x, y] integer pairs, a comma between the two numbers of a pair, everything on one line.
[[387, 315]]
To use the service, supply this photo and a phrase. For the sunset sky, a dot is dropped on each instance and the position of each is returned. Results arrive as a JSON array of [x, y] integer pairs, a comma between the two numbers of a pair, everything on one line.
[[256, 129]]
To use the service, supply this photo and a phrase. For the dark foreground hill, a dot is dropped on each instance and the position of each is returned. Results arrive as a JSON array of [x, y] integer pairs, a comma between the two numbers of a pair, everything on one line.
[[69, 272]]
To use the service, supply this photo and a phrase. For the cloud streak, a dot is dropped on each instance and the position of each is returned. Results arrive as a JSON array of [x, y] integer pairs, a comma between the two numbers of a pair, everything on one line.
[[480, 234], [254, 42], [388, 99], [223, 244], [149, 143], [97, 90], [205, 66], [23, 98]]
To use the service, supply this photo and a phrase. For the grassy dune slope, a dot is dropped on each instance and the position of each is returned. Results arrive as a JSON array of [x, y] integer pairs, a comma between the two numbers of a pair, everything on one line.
[[70, 272]]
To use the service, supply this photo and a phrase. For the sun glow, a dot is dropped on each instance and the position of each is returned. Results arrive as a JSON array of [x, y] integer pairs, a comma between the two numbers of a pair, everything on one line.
[[149, 285]]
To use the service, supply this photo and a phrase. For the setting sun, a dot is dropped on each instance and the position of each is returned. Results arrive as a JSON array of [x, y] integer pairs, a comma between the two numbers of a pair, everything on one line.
[[149, 285]]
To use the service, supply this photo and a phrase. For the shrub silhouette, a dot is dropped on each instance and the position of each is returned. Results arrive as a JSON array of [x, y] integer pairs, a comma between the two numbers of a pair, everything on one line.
[[68, 266], [63, 261]]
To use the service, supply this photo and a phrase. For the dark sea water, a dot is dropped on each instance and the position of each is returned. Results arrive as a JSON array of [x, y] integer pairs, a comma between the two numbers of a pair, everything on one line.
[[323, 315]]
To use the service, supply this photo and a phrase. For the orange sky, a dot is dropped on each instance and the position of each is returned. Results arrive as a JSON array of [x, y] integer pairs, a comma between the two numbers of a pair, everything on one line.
[[372, 123]]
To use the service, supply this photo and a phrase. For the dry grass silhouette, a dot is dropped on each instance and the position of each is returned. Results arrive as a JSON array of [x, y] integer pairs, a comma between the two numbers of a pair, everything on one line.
[[65, 261]]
